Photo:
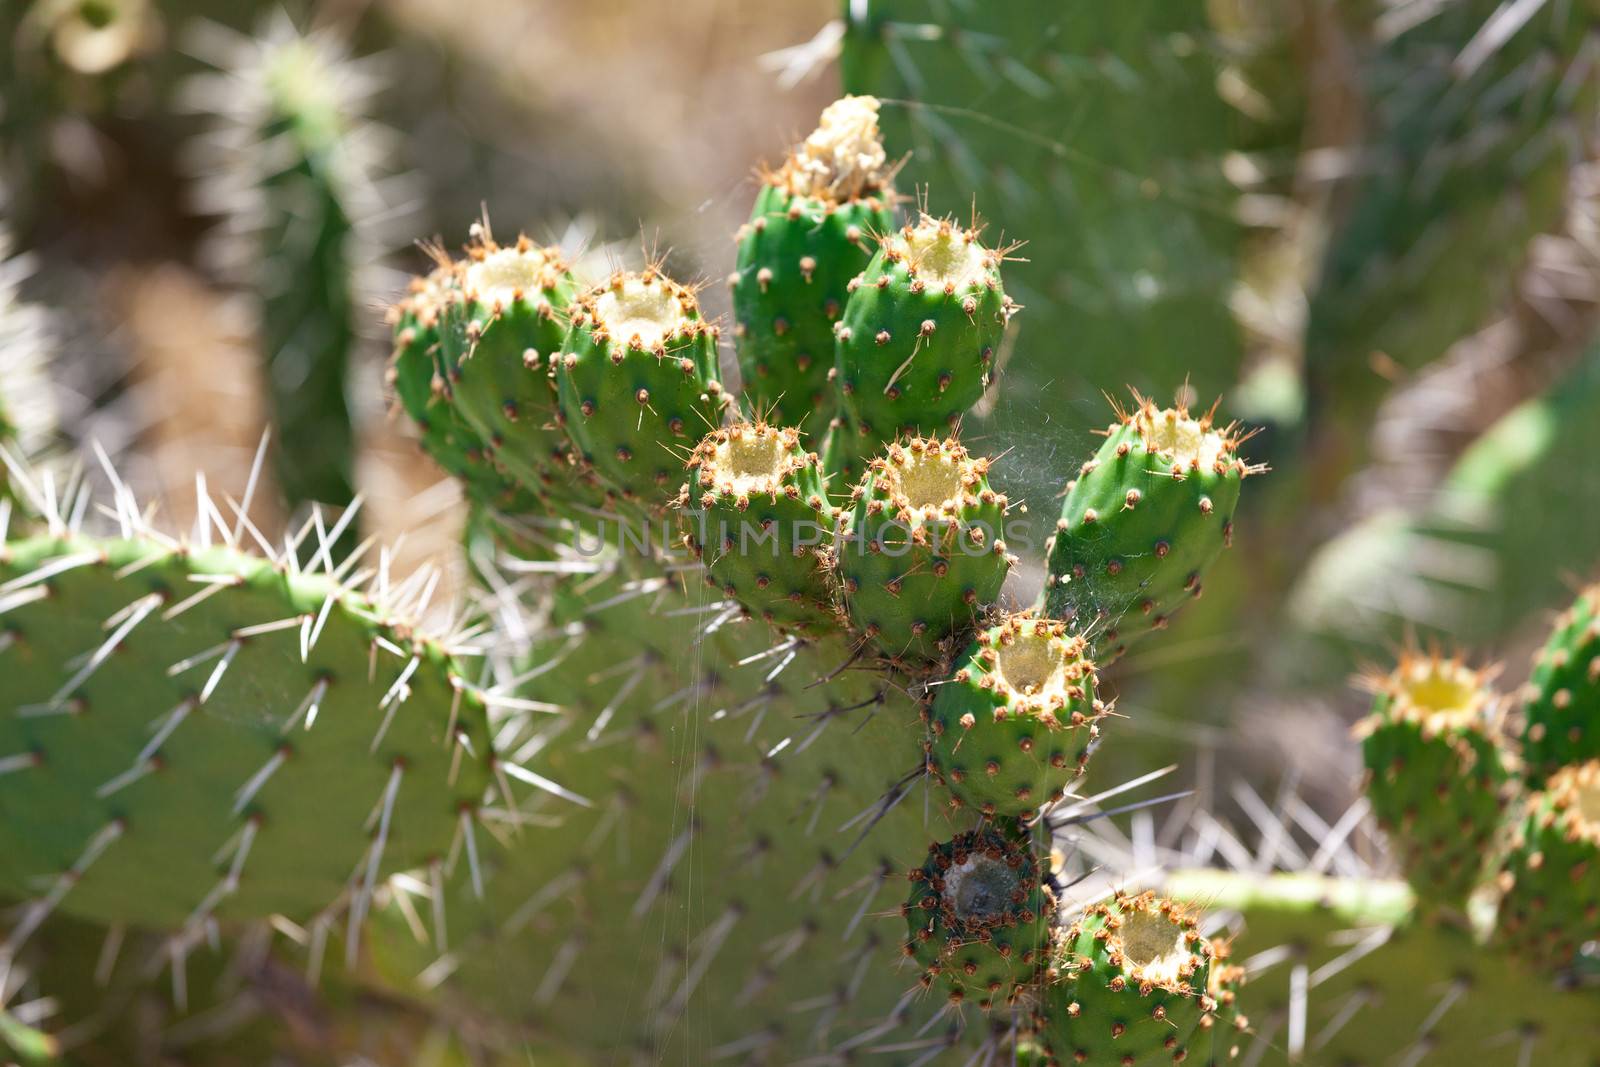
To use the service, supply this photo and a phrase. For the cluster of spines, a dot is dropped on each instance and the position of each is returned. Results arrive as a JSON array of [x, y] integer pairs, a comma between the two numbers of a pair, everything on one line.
[[1438, 773], [1142, 521], [921, 549]]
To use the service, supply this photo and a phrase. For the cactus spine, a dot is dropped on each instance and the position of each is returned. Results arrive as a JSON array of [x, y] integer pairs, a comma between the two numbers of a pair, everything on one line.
[[814, 226]]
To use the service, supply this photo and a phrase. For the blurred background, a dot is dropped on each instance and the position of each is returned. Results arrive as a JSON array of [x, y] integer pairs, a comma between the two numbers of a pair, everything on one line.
[[1368, 226]]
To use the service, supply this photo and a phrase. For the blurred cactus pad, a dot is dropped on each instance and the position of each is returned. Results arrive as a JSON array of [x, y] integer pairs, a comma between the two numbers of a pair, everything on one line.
[[907, 532]]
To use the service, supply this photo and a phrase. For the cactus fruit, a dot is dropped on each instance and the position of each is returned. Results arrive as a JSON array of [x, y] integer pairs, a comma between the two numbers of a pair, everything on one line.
[[759, 521], [815, 224], [921, 552], [1015, 722], [637, 379], [420, 389], [217, 734], [1438, 777], [1561, 706], [1131, 986], [920, 330], [1142, 521], [502, 327], [1551, 876], [980, 915]]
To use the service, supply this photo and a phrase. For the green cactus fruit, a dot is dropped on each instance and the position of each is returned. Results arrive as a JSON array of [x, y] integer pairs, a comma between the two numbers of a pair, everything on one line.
[[217, 734], [1437, 775], [1561, 702], [1142, 521], [922, 553], [445, 435], [756, 516], [814, 227], [1014, 723], [499, 338], [1551, 875], [920, 330], [637, 381], [980, 915], [1219, 1037], [1131, 986]]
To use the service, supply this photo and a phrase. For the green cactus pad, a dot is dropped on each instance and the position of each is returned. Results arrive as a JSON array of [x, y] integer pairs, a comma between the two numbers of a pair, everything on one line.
[[920, 330], [1013, 725], [733, 893], [1344, 972], [816, 222], [1551, 875], [846, 451], [758, 519], [214, 733], [444, 434], [1131, 985], [922, 553], [1561, 708], [980, 915], [637, 382], [1437, 776], [1141, 523]]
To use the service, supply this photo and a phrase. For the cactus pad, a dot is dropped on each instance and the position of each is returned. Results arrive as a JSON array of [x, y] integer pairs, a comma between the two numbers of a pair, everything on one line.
[[637, 379], [1438, 777], [762, 526], [980, 915], [1551, 877], [920, 330], [1142, 521], [1013, 725], [216, 734], [1561, 709], [1131, 986], [816, 222], [922, 552]]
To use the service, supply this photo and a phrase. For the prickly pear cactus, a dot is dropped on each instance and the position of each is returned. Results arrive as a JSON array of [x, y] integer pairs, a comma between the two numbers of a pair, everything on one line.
[[815, 225], [1142, 520], [1561, 706], [637, 375], [922, 552], [1130, 984], [217, 734], [1015, 722], [1551, 902], [1438, 773], [758, 518]]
